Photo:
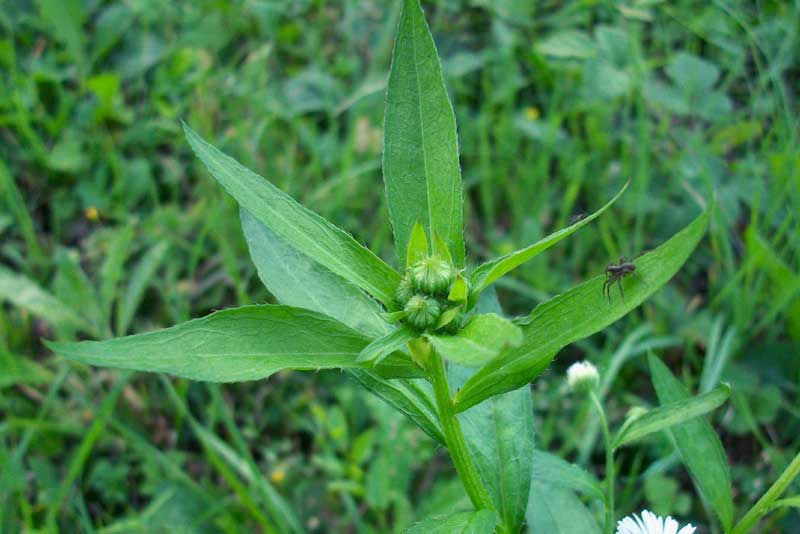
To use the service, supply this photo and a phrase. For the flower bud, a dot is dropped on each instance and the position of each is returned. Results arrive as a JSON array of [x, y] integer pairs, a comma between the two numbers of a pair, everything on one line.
[[432, 275], [404, 291], [582, 377], [422, 312]]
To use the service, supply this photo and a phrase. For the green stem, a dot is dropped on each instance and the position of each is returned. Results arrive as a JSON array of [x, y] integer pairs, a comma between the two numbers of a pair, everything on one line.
[[609, 463], [456, 444], [765, 502]]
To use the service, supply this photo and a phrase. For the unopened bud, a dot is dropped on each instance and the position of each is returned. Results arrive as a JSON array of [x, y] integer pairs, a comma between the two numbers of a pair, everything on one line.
[[582, 377], [432, 275], [422, 312]]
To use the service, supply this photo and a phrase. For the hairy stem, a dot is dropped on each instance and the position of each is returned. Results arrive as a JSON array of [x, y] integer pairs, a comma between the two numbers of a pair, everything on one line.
[[609, 463], [456, 444], [764, 504]]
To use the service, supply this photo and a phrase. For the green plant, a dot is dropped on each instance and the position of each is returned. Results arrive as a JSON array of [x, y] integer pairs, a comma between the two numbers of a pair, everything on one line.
[[343, 307]]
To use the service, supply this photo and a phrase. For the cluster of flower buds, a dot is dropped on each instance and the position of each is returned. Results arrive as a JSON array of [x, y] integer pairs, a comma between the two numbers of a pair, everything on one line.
[[423, 295]]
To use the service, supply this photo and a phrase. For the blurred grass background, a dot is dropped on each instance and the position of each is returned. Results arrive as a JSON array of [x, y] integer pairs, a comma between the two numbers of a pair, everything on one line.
[[109, 226]]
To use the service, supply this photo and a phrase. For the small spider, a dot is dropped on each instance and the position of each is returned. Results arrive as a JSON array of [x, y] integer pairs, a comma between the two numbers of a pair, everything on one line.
[[615, 273]]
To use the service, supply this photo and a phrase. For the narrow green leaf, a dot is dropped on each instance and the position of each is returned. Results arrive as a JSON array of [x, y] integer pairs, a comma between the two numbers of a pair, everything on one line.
[[555, 510], [459, 291], [698, 444], [303, 229], [477, 522], [670, 414], [578, 313], [247, 343], [500, 435], [410, 397], [21, 370], [72, 285], [141, 276], [553, 470], [297, 281], [481, 340], [490, 271], [420, 149], [112, 270], [26, 294], [417, 245], [383, 346]]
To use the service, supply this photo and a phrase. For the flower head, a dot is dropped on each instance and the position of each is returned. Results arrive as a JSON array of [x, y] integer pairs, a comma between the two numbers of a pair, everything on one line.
[[432, 275], [582, 377], [650, 523], [422, 312]]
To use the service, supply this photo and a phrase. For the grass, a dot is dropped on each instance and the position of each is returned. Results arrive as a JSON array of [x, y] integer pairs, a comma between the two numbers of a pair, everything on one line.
[[105, 209]]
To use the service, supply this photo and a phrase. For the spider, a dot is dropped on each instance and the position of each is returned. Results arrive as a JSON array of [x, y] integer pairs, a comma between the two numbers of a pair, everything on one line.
[[615, 273]]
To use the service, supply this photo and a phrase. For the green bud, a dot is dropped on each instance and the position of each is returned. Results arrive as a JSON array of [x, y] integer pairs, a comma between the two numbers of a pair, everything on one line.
[[404, 291], [422, 312], [432, 275]]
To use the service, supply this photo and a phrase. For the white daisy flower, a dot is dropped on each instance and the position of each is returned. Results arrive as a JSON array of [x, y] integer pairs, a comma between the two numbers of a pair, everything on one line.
[[650, 523], [582, 377]]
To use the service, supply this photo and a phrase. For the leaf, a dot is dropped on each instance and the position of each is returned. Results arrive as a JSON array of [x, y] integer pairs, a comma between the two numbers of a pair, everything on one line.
[[670, 414], [420, 149], [576, 314], [555, 510], [500, 435], [481, 340], [297, 281], [301, 228], [383, 346], [490, 271], [72, 285], [20, 370], [477, 522], [698, 444], [26, 294], [567, 44], [247, 343], [141, 276], [417, 245], [112, 270], [692, 74], [553, 470], [409, 397]]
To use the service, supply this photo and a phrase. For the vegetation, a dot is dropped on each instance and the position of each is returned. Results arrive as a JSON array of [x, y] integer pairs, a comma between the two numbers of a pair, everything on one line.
[[112, 228]]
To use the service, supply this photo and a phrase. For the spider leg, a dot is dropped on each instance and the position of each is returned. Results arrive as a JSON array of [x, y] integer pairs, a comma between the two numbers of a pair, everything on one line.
[[619, 285]]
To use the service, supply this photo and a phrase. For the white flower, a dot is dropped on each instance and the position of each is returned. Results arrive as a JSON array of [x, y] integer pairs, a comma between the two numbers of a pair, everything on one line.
[[582, 377], [650, 523]]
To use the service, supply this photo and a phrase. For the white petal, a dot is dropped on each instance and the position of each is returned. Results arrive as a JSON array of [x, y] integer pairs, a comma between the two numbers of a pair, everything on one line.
[[670, 526], [629, 526], [688, 529]]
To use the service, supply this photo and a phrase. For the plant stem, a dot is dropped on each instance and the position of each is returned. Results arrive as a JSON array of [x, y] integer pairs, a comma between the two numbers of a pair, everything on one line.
[[609, 463], [456, 444], [763, 505]]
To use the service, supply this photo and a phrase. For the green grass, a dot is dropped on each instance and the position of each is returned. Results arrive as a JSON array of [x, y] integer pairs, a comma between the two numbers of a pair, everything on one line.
[[105, 210]]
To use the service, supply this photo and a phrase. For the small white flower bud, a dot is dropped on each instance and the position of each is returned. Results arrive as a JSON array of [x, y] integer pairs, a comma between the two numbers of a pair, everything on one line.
[[582, 377]]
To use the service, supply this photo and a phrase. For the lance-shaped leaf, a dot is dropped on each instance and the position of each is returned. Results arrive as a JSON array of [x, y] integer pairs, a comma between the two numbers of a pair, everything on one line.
[[247, 343], [420, 149], [500, 435], [490, 271], [553, 470], [556, 510], [480, 341], [303, 229], [576, 314], [27, 294], [670, 414], [698, 444], [381, 347], [477, 522], [297, 281]]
